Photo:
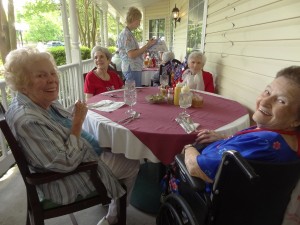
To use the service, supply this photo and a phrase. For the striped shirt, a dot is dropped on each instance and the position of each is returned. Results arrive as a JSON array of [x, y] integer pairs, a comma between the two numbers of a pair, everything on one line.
[[49, 146]]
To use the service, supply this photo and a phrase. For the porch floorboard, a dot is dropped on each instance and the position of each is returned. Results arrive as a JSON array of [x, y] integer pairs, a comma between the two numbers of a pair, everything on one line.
[[13, 206]]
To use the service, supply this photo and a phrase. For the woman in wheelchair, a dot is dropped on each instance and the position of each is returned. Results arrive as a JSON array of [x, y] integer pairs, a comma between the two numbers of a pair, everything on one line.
[[52, 138], [275, 138], [251, 185]]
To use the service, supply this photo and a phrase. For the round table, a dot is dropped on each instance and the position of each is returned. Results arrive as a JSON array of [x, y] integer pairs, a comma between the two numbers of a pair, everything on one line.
[[156, 137]]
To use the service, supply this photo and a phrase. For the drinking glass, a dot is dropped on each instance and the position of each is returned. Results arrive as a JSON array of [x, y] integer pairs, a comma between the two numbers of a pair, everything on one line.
[[185, 101], [164, 80], [130, 84], [130, 95]]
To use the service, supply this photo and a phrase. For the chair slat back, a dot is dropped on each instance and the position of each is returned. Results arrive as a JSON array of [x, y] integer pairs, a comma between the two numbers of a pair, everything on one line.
[[169, 68], [13, 144]]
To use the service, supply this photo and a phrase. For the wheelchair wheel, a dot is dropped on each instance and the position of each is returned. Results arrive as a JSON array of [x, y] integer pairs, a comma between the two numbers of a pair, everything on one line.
[[176, 211], [168, 216]]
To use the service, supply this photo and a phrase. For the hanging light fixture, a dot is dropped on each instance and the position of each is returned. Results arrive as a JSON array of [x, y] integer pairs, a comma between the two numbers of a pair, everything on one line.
[[175, 13]]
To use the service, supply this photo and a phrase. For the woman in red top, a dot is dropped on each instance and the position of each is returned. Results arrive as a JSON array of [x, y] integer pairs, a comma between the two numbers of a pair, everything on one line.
[[101, 79]]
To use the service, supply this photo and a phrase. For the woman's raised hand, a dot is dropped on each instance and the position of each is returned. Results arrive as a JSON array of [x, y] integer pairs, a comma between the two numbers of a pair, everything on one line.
[[151, 42], [80, 111]]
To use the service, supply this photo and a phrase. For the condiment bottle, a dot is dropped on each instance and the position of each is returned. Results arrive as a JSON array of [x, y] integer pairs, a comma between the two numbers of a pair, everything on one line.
[[177, 93], [170, 96], [153, 62]]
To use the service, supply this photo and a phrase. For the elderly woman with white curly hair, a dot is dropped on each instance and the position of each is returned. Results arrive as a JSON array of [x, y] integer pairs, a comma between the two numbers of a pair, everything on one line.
[[195, 77], [52, 138]]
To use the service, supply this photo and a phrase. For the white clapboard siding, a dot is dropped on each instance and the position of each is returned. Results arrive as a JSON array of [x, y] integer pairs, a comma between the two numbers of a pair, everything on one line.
[[261, 15], [180, 32], [262, 32], [179, 35], [249, 8], [248, 41], [158, 11], [280, 50]]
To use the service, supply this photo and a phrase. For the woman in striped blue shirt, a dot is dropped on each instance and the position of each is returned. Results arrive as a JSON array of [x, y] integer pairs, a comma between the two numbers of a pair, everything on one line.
[[52, 138]]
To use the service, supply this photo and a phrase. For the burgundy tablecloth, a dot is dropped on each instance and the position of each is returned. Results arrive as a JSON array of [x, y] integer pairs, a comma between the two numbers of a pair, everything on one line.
[[157, 127]]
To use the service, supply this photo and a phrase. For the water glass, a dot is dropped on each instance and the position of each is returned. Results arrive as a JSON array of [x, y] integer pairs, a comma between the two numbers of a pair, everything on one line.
[[130, 84], [164, 80], [185, 101], [130, 97]]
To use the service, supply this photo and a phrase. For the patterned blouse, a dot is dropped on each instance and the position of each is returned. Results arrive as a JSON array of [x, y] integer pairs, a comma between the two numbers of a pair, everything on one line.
[[126, 42]]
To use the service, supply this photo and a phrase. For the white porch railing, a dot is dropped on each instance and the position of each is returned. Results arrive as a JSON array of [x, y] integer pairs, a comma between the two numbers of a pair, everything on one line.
[[6, 157], [71, 89]]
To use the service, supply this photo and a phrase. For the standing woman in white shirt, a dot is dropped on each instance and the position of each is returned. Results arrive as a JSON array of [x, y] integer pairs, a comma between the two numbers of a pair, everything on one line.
[[130, 52], [195, 77]]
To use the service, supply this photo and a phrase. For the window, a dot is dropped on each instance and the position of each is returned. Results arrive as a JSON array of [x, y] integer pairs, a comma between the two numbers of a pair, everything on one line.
[[157, 28], [195, 22]]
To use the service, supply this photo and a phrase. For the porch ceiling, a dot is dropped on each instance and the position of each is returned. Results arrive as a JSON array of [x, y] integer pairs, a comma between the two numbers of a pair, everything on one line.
[[117, 7]]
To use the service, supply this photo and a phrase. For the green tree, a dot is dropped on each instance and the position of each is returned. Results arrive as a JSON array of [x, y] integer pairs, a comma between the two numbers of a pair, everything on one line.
[[43, 29], [88, 22], [44, 20], [138, 34], [7, 29]]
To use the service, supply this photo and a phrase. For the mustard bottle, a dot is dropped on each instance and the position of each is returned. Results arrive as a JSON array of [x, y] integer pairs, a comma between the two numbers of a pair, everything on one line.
[[177, 93]]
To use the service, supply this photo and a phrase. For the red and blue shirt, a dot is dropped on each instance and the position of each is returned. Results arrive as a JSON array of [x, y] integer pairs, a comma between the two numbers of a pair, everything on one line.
[[251, 143]]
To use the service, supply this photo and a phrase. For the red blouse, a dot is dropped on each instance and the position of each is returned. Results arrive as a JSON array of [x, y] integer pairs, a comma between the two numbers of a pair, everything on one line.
[[95, 85]]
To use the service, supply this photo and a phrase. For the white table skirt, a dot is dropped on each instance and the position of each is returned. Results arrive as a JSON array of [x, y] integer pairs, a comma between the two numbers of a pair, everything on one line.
[[147, 76], [113, 135], [117, 137]]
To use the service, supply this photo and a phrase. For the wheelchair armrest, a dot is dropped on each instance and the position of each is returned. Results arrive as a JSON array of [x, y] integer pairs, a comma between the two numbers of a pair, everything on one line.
[[195, 183], [41, 178], [240, 161]]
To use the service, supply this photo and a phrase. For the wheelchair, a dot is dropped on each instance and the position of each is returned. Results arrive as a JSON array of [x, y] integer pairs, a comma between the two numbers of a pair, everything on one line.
[[245, 192]]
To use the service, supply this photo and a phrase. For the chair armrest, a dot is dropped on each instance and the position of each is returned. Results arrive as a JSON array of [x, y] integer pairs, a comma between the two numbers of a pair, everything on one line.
[[41, 178], [195, 183], [242, 163]]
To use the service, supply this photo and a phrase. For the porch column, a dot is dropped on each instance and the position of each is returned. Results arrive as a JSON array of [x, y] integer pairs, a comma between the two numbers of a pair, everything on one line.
[[104, 7], [145, 32], [101, 28], [66, 31], [75, 49], [118, 27]]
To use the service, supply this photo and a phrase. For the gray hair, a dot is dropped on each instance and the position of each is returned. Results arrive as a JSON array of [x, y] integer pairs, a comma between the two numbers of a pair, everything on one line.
[[199, 55], [292, 73], [133, 14], [98, 48], [167, 56], [18, 66]]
